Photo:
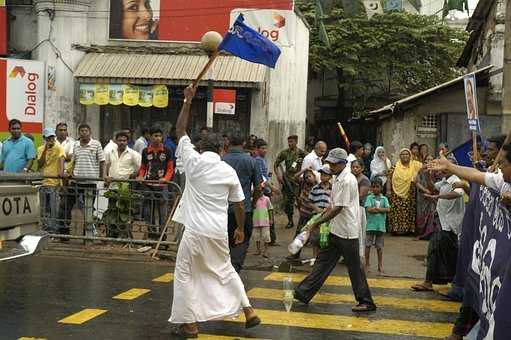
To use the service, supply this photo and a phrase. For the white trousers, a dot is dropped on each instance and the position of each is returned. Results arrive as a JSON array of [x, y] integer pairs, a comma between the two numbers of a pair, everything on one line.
[[206, 286]]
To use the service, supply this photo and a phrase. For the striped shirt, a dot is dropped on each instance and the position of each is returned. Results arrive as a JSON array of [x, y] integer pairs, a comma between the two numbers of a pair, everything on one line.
[[86, 159], [320, 196]]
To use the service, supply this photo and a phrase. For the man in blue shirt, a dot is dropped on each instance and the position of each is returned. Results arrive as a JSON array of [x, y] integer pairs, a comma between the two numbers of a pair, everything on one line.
[[18, 152], [249, 176]]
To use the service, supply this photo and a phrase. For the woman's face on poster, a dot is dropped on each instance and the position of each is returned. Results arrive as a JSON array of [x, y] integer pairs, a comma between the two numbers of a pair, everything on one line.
[[137, 19]]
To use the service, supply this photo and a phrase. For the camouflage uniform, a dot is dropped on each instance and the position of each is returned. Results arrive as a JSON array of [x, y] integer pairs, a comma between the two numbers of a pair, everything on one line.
[[290, 189]]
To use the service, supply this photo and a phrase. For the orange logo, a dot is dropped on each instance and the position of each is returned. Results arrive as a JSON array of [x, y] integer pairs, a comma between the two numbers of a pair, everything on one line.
[[18, 70], [280, 21]]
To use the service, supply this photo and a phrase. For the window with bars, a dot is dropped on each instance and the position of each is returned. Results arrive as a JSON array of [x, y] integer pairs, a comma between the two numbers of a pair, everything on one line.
[[429, 121]]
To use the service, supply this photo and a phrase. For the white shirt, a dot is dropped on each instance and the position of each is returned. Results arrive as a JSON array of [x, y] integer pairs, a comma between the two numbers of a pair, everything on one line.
[[68, 145], [450, 212], [110, 146], [496, 182], [123, 166], [345, 194], [140, 144], [312, 160], [351, 158], [210, 185]]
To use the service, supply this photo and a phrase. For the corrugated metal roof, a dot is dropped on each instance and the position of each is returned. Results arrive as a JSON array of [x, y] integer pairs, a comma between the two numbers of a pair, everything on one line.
[[167, 69], [391, 108]]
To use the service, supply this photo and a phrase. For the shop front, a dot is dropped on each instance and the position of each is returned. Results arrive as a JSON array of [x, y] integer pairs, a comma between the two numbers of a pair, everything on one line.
[[135, 91]]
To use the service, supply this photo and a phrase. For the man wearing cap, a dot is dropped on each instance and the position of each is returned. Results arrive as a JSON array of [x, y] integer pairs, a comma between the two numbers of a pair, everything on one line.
[[343, 215], [292, 157], [50, 160]]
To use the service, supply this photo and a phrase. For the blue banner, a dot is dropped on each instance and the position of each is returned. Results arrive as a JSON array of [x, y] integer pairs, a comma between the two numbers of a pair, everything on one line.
[[485, 269], [248, 44]]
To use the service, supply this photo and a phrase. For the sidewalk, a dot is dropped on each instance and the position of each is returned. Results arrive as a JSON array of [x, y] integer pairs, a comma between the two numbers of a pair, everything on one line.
[[403, 256]]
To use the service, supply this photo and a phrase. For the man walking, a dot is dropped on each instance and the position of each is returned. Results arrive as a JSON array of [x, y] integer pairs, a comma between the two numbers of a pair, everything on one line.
[[50, 159], [18, 152], [250, 177], [292, 158], [343, 239], [206, 286], [88, 163]]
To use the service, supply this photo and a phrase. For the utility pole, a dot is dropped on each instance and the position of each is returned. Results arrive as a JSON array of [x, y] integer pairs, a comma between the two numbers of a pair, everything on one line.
[[506, 83]]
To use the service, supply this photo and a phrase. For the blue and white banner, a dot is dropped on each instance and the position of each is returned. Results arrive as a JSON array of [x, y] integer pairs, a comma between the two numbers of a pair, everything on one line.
[[485, 262]]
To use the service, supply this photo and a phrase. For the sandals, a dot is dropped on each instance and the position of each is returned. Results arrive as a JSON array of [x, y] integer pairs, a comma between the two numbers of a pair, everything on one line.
[[363, 307], [421, 288], [180, 333], [252, 322]]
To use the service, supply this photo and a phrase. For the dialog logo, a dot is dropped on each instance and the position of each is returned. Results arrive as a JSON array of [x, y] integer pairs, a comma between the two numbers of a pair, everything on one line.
[[280, 21]]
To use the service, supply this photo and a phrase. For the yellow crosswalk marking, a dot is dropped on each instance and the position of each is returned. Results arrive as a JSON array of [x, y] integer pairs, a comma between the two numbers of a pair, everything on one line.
[[345, 281], [165, 278], [352, 323], [398, 302], [131, 294], [30, 338], [224, 337], [82, 316]]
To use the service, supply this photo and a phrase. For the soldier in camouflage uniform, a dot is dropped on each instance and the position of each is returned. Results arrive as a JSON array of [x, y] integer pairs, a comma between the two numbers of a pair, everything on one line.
[[292, 159]]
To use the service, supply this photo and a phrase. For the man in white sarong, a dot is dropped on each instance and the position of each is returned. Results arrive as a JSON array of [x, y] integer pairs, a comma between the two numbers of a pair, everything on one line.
[[206, 286]]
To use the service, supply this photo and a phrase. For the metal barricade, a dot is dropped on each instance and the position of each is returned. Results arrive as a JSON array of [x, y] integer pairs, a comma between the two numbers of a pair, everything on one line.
[[126, 211]]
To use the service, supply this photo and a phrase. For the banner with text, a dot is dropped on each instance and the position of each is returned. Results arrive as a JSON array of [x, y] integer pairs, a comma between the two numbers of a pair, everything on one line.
[[178, 20], [471, 100]]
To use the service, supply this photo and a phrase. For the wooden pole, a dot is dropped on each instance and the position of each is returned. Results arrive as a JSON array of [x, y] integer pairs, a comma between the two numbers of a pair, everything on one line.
[[169, 219], [206, 67], [343, 135]]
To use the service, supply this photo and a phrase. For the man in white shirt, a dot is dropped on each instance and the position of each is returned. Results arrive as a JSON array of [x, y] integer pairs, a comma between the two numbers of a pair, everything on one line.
[[343, 238], [443, 244], [356, 152], [122, 162], [66, 142], [314, 160], [143, 141], [206, 286]]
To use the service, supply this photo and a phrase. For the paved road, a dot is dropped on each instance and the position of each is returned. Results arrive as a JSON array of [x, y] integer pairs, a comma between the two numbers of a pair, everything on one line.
[[55, 298]]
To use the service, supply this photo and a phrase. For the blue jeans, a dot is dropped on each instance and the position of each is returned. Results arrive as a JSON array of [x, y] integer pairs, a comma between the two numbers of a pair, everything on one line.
[[49, 205]]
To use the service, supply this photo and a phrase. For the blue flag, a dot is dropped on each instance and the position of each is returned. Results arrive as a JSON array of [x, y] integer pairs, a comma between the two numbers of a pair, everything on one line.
[[248, 44], [463, 153]]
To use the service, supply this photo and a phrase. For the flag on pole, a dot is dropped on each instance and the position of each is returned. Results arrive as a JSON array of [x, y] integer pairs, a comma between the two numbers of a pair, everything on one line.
[[463, 153], [246, 43]]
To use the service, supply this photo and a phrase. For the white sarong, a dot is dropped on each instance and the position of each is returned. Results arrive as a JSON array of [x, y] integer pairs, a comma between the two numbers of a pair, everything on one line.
[[206, 286]]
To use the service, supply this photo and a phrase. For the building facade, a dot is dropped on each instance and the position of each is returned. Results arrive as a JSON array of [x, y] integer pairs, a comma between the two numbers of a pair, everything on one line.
[[89, 53]]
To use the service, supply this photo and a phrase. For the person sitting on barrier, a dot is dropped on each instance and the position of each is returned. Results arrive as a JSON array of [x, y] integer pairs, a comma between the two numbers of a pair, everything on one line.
[[157, 165], [50, 160]]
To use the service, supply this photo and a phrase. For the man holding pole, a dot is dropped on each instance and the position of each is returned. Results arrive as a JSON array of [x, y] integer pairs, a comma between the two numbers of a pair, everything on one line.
[[206, 286]]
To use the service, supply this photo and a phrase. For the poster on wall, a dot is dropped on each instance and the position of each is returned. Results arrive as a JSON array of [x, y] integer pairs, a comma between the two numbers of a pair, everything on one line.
[[224, 101], [130, 95], [22, 93], [178, 20]]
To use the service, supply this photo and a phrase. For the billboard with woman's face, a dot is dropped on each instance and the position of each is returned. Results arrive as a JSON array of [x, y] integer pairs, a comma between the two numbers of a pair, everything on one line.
[[177, 20]]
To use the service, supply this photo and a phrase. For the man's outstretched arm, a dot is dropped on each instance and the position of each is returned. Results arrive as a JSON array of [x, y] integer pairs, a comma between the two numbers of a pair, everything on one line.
[[469, 174], [184, 115]]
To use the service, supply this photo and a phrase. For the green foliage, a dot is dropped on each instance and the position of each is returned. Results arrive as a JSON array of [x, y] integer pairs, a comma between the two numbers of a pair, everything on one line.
[[384, 58], [120, 205]]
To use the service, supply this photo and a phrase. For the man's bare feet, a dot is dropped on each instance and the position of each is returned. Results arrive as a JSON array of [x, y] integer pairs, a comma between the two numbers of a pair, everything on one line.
[[190, 328], [251, 318], [381, 272]]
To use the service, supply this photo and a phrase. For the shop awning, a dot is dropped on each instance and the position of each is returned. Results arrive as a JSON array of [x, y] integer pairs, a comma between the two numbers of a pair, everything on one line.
[[117, 68]]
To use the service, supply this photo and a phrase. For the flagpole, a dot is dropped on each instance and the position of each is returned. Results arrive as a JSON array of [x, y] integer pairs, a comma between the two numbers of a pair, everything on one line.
[[205, 69], [343, 135]]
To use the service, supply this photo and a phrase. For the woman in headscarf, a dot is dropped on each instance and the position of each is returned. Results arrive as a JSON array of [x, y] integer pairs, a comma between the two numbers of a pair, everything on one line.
[[380, 165], [402, 191], [426, 207]]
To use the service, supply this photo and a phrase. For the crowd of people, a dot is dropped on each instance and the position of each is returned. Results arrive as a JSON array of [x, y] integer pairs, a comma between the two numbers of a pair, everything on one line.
[[360, 194]]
